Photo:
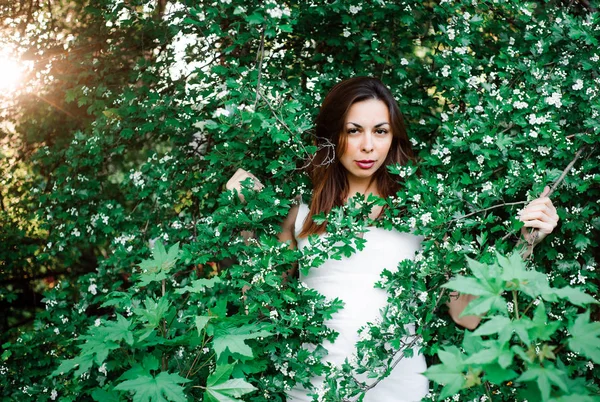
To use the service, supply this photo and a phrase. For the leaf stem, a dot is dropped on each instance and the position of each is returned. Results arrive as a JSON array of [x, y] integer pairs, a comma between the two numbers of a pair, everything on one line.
[[514, 292]]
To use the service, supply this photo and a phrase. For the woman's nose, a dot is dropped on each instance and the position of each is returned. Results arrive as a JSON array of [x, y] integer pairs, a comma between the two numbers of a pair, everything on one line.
[[367, 145]]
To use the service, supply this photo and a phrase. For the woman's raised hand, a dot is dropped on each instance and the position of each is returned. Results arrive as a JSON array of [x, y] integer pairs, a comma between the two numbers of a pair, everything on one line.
[[236, 182], [539, 214]]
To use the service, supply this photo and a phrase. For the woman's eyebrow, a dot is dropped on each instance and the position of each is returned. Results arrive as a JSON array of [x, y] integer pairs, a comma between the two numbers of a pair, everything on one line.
[[376, 125]]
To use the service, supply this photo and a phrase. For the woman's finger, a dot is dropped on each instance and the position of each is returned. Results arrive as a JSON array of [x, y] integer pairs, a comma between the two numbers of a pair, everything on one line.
[[543, 227]]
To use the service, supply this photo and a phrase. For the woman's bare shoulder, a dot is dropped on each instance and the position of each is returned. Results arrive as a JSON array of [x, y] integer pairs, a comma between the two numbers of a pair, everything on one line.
[[288, 224]]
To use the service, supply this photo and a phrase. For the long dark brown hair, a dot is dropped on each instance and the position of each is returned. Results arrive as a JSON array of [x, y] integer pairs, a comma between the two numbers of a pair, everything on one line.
[[328, 175]]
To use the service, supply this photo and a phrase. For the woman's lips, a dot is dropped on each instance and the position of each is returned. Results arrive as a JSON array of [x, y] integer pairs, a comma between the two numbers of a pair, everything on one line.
[[368, 164]]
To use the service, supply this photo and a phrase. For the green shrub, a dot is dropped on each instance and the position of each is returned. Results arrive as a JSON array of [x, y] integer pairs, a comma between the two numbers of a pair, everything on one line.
[[132, 139]]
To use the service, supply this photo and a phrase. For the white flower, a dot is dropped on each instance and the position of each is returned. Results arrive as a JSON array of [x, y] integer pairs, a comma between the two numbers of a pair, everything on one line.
[[486, 186], [423, 296], [480, 159], [444, 116], [533, 119], [53, 394], [221, 112], [354, 9], [446, 70], [97, 322], [404, 62], [274, 314], [275, 12], [93, 289], [555, 99], [136, 177], [451, 33], [102, 369], [426, 218], [520, 105], [578, 85], [487, 140], [346, 32], [533, 133]]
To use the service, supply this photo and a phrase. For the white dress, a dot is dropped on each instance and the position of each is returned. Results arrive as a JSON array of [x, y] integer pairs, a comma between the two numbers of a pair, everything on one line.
[[352, 280]]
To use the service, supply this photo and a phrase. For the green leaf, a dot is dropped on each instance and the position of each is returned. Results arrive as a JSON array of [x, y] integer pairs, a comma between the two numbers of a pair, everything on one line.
[[545, 377], [199, 285], [201, 322], [154, 311], [452, 379], [575, 296], [450, 372], [101, 395], [83, 362], [493, 326], [219, 388], [541, 328], [220, 375], [235, 387], [119, 330], [498, 375], [585, 337], [235, 339], [164, 387], [157, 268]]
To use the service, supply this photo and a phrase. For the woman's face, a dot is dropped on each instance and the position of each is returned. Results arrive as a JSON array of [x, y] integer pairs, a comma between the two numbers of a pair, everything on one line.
[[368, 139]]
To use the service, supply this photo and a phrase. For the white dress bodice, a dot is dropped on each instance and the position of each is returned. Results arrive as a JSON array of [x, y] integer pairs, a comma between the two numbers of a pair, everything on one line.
[[352, 280]]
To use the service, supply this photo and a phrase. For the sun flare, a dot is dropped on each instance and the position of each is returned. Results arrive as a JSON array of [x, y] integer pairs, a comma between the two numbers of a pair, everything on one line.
[[10, 75]]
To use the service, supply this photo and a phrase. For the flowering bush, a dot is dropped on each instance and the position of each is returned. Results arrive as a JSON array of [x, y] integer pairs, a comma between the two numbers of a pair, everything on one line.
[[113, 203]]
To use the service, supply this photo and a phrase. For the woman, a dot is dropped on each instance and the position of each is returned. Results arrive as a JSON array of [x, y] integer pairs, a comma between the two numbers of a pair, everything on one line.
[[362, 119]]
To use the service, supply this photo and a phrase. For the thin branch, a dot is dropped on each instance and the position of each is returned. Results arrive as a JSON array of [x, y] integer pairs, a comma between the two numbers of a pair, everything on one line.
[[260, 56], [487, 209], [566, 171]]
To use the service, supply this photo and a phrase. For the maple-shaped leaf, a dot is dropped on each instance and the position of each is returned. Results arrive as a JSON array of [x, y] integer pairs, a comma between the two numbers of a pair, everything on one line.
[[220, 389], [542, 328], [234, 339], [545, 376], [82, 362], [575, 296], [486, 284], [157, 268], [198, 286], [518, 277], [154, 311], [162, 388], [119, 330], [450, 373], [585, 337]]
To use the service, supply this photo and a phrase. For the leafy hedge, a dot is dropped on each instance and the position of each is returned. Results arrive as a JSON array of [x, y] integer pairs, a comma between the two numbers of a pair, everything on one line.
[[144, 109]]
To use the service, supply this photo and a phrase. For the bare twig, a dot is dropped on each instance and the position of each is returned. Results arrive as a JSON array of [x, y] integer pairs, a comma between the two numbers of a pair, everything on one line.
[[566, 171], [487, 209], [260, 56]]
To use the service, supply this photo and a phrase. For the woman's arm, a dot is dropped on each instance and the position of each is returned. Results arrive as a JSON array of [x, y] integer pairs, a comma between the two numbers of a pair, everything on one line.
[[458, 302], [540, 215], [287, 234], [287, 226]]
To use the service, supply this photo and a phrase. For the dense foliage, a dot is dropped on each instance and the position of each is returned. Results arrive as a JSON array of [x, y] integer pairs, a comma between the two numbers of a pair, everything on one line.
[[115, 155]]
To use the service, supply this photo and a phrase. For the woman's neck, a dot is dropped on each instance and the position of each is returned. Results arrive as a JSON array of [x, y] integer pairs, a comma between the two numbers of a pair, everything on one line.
[[364, 187]]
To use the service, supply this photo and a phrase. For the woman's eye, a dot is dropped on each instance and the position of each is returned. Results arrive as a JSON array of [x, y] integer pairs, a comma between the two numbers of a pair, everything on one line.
[[352, 130], [381, 131]]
